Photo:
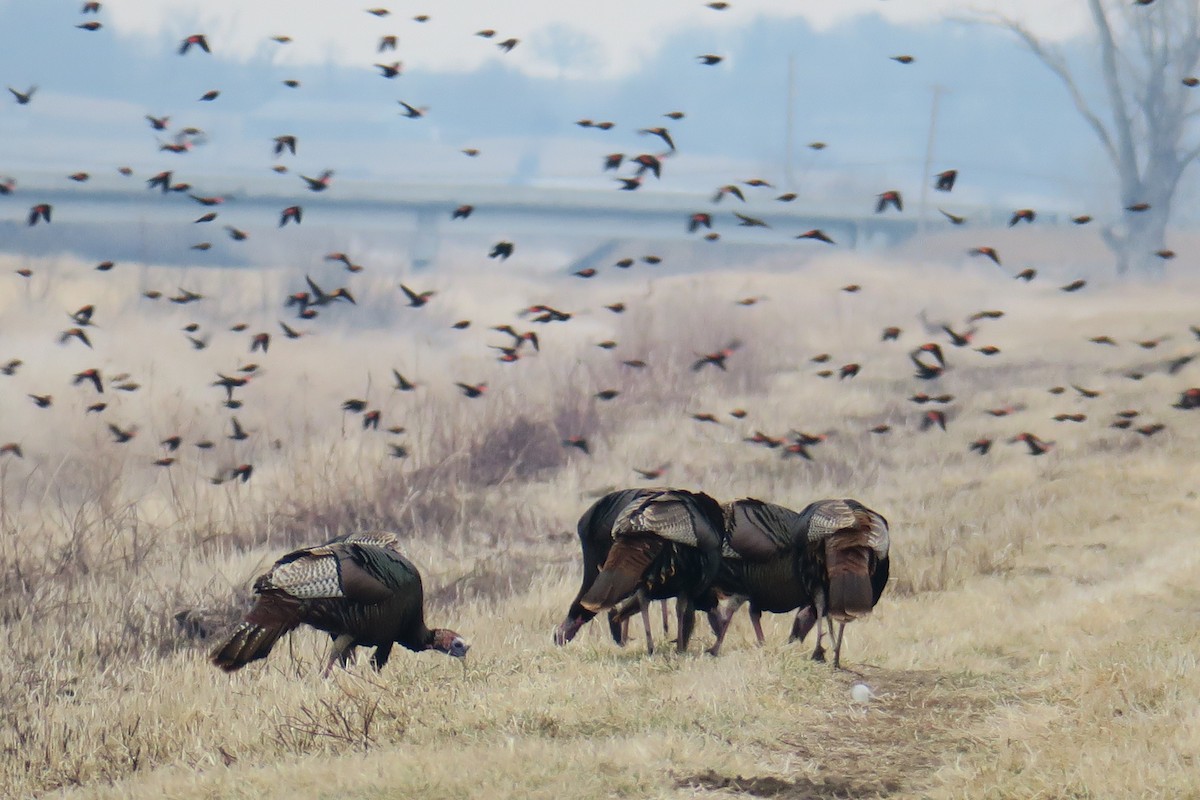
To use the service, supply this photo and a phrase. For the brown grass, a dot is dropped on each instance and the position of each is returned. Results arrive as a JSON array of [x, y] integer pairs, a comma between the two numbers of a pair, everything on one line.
[[1038, 638]]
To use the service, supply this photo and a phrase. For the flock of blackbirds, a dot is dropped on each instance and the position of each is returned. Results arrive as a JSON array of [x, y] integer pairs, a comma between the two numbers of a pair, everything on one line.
[[930, 358], [827, 562]]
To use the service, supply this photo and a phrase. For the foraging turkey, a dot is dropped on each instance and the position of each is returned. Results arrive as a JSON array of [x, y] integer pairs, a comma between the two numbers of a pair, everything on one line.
[[641, 545], [595, 540], [595, 529], [357, 588], [760, 564], [829, 560]]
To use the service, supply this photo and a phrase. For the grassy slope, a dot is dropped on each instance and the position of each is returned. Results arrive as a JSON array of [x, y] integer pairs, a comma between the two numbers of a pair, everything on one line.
[[1039, 637]]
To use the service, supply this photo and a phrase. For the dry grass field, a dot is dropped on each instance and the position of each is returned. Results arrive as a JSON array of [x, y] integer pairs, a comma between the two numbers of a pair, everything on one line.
[[1039, 638]]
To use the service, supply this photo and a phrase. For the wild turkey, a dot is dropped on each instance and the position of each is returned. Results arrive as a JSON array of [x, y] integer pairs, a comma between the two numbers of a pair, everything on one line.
[[829, 560], [358, 588], [641, 545], [760, 564], [596, 539]]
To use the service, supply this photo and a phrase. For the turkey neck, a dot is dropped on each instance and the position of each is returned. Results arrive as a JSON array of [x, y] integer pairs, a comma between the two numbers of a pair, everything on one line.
[[423, 641]]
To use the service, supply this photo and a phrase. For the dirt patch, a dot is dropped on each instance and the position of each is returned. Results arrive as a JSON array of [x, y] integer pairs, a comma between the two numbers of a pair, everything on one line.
[[802, 789], [915, 721]]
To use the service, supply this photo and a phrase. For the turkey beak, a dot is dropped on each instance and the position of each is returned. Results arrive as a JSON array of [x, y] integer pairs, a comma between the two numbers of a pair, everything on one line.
[[566, 631], [459, 649]]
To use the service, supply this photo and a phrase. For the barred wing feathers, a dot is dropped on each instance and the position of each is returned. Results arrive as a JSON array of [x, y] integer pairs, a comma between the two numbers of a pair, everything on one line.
[[672, 514], [668, 540]]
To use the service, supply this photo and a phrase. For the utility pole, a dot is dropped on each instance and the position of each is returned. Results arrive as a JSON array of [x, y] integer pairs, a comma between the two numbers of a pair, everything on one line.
[[789, 125], [928, 167]]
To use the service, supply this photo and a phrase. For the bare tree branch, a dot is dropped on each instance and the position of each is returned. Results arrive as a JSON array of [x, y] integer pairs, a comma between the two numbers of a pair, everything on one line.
[[1188, 157], [1055, 63], [1125, 155], [1146, 123]]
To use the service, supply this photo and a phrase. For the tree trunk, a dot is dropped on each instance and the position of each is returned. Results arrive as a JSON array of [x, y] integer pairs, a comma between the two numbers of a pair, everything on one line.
[[1137, 239], [1147, 236], [1142, 54]]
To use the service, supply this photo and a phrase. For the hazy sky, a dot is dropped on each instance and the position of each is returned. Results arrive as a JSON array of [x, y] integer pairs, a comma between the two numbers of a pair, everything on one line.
[[603, 37]]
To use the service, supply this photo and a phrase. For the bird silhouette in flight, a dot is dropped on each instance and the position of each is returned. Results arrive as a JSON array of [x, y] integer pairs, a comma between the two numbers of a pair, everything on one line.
[[402, 384], [987, 252], [1036, 446], [195, 40], [412, 112], [40, 212], [91, 376], [661, 133], [122, 436], [579, 443], [890, 198], [817, 235], [728, 189], [319, 183], [697, 221], [1022, 215], [654, 473], [750, 222], [24, 97], [74, 333], [417, 299]]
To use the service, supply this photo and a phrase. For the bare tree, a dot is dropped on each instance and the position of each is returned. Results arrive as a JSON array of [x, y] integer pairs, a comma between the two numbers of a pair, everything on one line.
[[1147, 57]]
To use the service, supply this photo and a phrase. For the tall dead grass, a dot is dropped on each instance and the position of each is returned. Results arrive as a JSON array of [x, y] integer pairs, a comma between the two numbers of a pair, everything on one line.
[[115, 573]]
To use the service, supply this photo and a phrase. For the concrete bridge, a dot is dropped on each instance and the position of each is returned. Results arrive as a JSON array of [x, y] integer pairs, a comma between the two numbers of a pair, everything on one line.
[[417, 218]]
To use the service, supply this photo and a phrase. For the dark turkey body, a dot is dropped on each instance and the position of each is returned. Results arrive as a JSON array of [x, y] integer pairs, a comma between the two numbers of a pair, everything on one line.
[[596, 540], [774, 586]]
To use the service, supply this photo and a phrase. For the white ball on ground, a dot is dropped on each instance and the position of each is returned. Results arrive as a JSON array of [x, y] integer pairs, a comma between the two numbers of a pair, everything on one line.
[[861, 693]]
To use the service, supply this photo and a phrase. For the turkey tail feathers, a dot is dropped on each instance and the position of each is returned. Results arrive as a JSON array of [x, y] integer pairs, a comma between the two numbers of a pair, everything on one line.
[[851, 534], [248, 642], [272, 616], [847, 560], [627, 561]]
